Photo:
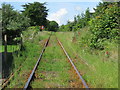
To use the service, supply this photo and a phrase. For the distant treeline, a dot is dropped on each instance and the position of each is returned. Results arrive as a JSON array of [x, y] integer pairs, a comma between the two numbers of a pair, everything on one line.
[[14, 22], [103, 24]]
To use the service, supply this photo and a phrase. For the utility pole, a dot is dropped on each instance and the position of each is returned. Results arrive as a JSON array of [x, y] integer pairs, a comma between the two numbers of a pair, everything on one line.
[[5, 48]]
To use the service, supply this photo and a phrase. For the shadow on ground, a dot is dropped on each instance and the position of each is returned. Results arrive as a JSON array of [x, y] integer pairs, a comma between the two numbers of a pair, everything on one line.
[[7, 65]]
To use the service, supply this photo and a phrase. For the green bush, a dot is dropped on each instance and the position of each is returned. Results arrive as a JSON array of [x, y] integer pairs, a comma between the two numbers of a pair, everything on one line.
[[104, 26], [13, 22]]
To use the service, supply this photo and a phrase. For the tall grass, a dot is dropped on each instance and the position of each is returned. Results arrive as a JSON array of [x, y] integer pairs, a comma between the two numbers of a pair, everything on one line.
[[98, 69], [27, 58]]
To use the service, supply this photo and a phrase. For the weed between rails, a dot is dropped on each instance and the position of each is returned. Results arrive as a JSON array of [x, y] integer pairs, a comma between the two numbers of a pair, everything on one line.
[[54, 71]]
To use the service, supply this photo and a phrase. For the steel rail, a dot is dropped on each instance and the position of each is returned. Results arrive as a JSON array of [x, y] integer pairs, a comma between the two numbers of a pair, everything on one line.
[[80, 76], [4, 84], [35, 67]]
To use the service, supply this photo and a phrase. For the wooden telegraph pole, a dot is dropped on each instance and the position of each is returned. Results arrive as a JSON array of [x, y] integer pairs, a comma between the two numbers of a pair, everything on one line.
[[5, 48]]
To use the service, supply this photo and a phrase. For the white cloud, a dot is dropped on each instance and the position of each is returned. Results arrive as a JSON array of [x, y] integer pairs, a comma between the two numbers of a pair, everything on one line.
[[57, 16], [92, 10], [71, 20], [78, 8]]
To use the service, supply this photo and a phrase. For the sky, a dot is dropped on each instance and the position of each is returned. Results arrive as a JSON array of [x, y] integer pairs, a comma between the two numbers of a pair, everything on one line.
[[59, 10]]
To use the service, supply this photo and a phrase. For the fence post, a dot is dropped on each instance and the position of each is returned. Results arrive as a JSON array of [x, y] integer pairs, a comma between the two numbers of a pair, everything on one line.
[[5, 48]]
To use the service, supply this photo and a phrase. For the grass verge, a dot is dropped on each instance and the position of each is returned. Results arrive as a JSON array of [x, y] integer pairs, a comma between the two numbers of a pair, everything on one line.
[[98, 69], [28, 57]]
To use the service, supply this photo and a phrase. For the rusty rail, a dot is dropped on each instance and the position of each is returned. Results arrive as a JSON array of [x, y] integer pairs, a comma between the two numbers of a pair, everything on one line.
[[80, 76], [5, 83], [40, 57], [36, 65]]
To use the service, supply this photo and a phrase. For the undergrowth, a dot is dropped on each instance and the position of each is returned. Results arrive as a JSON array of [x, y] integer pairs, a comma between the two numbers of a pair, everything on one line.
[[27, 57], [99, 68]]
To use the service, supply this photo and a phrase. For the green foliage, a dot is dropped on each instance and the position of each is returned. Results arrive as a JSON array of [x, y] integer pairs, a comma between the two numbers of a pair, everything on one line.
[[0, 15], [13, 22], [67, 27], [96, 66], [52, 26], [28, 57], [105, 25], [80, 21], [10, 48], [87, 15], [37, 13], [61, 28], [34, 28]]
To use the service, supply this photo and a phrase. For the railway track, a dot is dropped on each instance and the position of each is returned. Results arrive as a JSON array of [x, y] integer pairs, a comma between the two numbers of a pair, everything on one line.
[[71, 62], [6, 81], [36, 65], [27, 85]]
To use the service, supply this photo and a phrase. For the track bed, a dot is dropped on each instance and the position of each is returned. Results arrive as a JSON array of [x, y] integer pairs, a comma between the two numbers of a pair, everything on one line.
[[54, 70]]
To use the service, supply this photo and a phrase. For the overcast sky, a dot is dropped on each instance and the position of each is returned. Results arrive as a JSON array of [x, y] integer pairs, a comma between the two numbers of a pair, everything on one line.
[[59, 10]]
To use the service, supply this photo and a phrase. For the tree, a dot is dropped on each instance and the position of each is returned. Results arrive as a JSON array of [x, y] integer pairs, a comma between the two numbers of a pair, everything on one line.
[[0, 25], [75, 19], [53, 26], [13, 22], [87, 15], [0, 14], [100, 9], [105, 25], [37, 13], [62, 28]]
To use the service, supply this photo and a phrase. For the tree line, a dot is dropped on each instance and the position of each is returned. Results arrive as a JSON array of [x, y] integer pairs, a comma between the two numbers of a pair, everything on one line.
[[80, 21], [103, 24], [14, 22]]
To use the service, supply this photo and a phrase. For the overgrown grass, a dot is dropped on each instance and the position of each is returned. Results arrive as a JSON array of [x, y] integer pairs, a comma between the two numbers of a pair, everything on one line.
[[54, 70], [32, 47], [99, 69]]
